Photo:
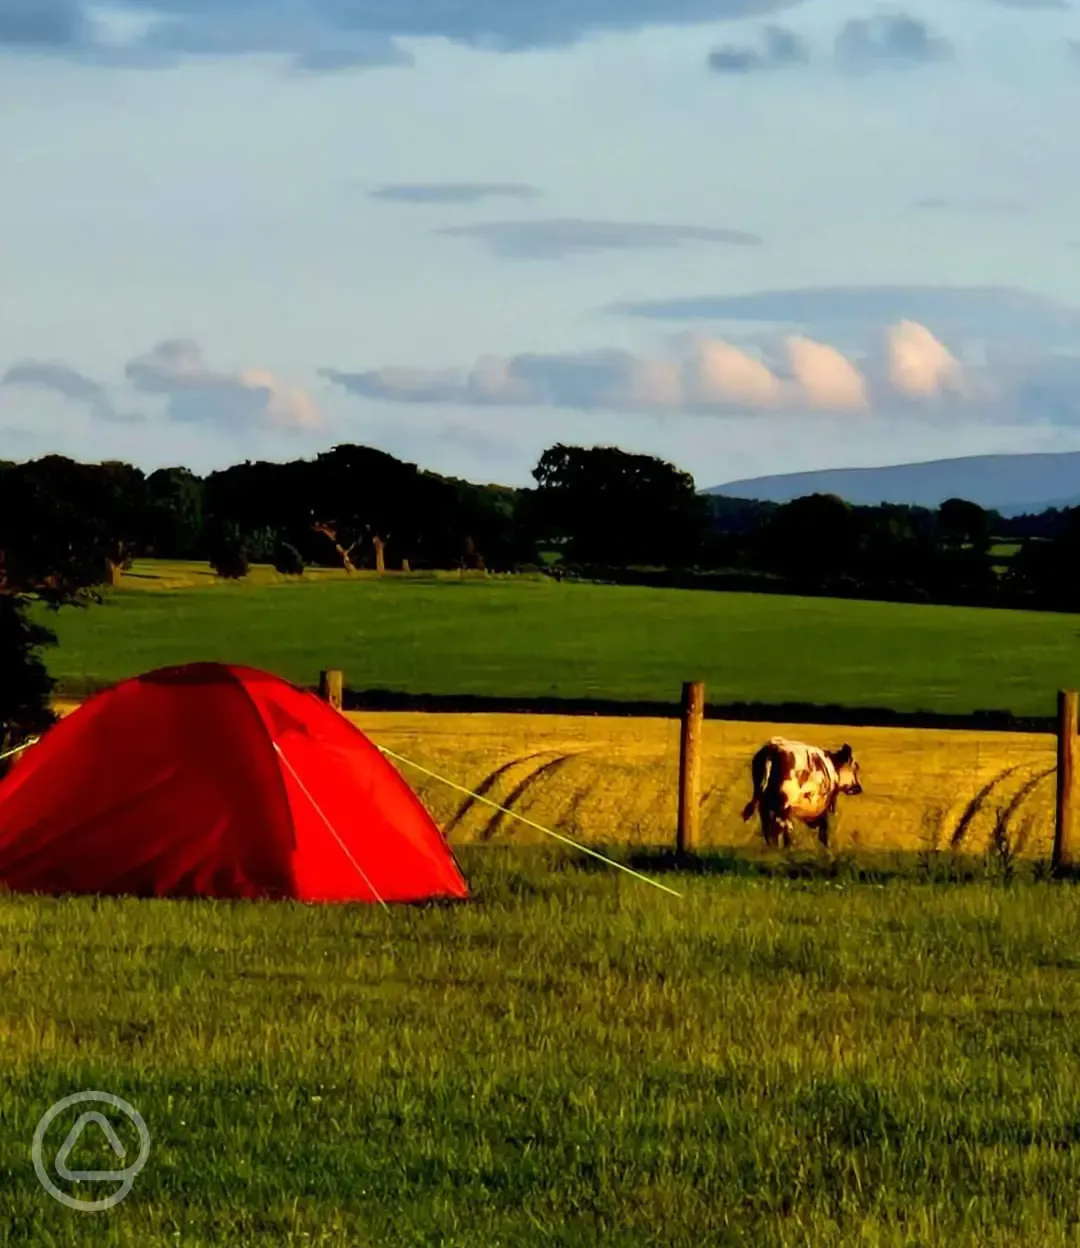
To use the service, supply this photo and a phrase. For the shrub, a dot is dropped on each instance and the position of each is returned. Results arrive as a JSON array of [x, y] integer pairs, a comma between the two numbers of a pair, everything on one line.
[[229, 558], [288, 560]]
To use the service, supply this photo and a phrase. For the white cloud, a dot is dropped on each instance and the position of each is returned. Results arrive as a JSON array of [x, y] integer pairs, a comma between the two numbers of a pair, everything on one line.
[[825, 378], [698, 374], [919, 365], [910, 372], [720, 373], [250, 397]]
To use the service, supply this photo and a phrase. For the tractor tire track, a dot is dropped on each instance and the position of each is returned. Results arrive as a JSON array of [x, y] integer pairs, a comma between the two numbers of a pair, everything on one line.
[[1021, 795], [976, 804], [483, 789], [521, 789]]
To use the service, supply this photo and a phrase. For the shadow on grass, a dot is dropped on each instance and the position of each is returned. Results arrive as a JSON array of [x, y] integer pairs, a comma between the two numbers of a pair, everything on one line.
[[1069, 874], [882, 867], [794, 865]]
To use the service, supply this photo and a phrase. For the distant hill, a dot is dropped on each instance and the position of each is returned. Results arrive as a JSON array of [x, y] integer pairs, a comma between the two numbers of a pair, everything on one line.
[[1010, 484]]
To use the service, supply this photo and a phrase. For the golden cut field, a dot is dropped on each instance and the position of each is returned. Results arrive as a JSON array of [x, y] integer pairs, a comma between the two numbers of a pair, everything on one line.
[[614, 781]]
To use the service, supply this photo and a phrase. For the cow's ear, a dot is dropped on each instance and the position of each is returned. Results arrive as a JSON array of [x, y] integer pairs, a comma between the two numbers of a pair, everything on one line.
[[843, 753]]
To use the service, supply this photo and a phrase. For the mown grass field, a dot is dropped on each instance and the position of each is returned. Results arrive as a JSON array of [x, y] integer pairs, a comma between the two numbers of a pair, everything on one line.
[[533, 637], [572, 1059], [614, 781]]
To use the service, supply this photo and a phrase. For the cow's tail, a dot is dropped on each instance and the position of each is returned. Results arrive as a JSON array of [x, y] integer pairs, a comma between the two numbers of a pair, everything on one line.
[[760, 766]]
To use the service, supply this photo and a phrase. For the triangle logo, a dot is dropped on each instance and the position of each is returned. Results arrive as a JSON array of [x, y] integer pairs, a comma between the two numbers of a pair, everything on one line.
[[73, 1135]]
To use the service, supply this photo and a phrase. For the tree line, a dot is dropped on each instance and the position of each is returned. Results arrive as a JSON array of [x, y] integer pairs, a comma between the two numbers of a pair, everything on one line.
[[592, 511], [600, 513]]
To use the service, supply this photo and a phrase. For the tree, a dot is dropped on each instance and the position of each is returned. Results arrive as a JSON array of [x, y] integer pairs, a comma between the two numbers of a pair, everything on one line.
[[228, 555], [267, 503], [116, 492], [962, 525], [354, 506], [262, 545], [494, 519], [1046, 572], [288, 560], [471, 558], [25, 684], [175, 507], [604, 505], [52, 553], [816, 536], [103, 506], [373, 508], [895, 548], [960, 568]]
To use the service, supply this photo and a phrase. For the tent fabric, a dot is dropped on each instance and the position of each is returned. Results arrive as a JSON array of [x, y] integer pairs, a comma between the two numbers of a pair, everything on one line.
[[211, 780]]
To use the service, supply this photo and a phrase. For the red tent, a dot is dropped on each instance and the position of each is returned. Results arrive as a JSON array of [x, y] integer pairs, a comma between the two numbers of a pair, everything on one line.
[[217, 781]]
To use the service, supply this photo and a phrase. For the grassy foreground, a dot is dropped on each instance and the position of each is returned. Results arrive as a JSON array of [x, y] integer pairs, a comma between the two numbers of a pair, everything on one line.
[[574, 1059], [532, 637]]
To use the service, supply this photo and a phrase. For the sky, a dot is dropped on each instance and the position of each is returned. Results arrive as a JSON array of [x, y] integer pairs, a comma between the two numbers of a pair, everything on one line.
[[749, 236]]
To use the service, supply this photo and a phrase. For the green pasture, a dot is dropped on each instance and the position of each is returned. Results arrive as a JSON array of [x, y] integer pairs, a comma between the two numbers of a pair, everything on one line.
[[1004, 551], [528, 637], [572, 1058]]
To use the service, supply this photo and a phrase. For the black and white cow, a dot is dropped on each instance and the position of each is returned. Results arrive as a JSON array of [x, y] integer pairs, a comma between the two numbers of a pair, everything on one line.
[[793, 780]]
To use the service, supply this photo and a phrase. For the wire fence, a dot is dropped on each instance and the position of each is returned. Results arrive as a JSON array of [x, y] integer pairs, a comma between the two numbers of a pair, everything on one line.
[[614, 780]]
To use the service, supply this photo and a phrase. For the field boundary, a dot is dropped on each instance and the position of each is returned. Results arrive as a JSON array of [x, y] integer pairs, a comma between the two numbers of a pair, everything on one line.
[[735, 712], [827, 714]]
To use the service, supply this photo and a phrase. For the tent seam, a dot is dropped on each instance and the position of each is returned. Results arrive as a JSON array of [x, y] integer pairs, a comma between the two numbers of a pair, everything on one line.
[[280, 785]]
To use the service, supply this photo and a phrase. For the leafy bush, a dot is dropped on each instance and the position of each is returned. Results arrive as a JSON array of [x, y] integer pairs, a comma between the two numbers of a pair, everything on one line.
[[288, 560], [229, 557]]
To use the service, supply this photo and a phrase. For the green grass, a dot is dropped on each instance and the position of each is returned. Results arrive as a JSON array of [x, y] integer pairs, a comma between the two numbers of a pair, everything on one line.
[[1005, 550], [573, 1059], [1004, 553], [533, 637]]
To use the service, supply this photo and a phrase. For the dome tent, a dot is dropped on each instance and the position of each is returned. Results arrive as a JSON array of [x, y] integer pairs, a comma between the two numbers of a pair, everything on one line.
[[209, 780]]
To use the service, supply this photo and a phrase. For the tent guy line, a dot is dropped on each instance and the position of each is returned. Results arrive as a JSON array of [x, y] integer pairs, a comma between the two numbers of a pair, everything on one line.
[[19, 748], [322, 815], [512, 814], [529, 822]]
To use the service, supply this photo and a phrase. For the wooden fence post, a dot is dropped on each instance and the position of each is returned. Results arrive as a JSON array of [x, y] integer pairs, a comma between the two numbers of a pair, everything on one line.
[[1065, 820], [331, 686], [693, 713]]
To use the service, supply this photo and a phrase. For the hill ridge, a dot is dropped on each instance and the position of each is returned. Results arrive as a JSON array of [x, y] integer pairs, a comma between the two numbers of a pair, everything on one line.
[[1009, 483]]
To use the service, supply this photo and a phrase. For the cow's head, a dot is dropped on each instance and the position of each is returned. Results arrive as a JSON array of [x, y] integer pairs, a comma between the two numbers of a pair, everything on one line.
[[847, 770]]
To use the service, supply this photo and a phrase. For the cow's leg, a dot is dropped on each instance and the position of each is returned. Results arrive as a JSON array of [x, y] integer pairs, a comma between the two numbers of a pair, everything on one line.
[[769, 827], [785, 832], [821, 826]]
